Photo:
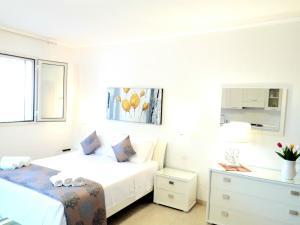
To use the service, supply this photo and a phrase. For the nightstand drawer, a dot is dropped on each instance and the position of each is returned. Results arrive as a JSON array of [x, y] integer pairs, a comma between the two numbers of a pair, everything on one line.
[[171, 185], [171, 199]]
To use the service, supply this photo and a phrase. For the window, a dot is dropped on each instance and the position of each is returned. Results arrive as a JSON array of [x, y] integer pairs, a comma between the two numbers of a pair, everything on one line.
[[16, 89], [51, 91]]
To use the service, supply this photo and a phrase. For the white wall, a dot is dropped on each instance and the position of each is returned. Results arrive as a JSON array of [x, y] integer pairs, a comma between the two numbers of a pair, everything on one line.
[[191, 70], [37, 139]]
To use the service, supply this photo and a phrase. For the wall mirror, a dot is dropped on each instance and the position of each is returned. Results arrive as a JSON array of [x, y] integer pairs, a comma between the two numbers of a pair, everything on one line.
[[263, 108], [51, 91]]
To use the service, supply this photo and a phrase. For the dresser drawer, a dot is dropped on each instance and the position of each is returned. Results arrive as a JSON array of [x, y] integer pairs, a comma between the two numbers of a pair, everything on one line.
[[268, 190], [256, 206], [171, 199], [225, 216], [172, 185]]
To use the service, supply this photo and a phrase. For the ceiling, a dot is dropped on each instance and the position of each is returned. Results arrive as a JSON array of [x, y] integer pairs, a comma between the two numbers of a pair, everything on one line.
[[94, 22]]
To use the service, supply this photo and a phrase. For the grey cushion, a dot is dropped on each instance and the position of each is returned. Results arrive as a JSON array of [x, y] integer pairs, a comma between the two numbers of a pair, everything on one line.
[[90, 144], [123, 150]]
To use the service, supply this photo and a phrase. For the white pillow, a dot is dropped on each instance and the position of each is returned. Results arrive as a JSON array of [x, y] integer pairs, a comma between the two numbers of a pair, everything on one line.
[[106, 150], [107, 141], [144, 151], [111, 139], [144, 147]]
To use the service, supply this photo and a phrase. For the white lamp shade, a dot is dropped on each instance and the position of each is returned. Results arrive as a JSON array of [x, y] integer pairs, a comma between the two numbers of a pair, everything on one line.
[[236, 132]]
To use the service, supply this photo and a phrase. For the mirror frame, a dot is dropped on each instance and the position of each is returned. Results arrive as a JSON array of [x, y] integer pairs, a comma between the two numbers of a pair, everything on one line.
[[38, 104], [284, 101]]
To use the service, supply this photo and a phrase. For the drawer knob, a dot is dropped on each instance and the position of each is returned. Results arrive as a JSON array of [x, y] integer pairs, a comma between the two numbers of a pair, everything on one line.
[[226, 197], [295, 193], [294, 213], [226, 179], [171, 182], [224, 214], [170, 196]]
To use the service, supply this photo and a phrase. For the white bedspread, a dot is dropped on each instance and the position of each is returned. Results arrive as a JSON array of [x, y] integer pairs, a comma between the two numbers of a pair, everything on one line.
[[119, 180]]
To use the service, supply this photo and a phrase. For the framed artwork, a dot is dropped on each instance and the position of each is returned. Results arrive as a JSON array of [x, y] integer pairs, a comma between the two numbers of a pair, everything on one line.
[[140, 105]]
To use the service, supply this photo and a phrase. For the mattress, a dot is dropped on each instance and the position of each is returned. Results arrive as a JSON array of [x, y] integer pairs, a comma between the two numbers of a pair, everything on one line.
[[120, 181]]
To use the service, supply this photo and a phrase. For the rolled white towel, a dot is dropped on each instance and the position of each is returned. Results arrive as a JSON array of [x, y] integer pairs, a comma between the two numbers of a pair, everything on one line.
[[67, 182], [78, 182], [66, 179], [56, 181], [26, 160], [14, 162], [5, 165]]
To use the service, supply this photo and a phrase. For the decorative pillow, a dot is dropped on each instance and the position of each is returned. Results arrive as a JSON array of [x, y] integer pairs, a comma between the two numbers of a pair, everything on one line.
[[123, 150], [90, 144]]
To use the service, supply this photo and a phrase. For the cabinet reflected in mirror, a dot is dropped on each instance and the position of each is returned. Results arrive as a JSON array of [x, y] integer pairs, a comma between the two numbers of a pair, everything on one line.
[[263, 108], [51, 88]]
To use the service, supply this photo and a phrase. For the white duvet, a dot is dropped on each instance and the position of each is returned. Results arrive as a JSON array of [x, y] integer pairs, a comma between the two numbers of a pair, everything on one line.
[[120, 181]]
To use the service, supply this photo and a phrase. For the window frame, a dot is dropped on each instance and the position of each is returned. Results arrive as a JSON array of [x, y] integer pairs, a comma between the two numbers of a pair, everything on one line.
[[33, 86], [38, 117]]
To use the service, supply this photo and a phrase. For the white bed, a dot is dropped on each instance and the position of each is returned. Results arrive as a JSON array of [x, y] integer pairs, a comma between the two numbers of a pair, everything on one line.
[[123, 183]]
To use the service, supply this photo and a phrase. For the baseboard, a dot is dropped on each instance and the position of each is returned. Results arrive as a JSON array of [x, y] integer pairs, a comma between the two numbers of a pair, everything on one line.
[[201, 202]]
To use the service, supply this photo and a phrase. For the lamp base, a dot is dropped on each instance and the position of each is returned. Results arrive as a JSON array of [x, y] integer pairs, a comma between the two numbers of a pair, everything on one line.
[[232, 157], [233, 164]]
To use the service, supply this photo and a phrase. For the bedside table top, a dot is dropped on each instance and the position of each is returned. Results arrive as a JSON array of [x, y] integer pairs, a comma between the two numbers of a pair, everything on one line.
[[176, 173]]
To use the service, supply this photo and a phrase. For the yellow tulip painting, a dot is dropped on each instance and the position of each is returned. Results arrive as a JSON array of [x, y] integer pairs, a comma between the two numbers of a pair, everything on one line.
[[135, 105], [135, 100], [118, 98], [142, 93], [126, 105], [145, 106], [126, 90]]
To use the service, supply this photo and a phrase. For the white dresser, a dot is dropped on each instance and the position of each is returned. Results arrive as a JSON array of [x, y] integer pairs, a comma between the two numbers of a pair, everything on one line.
[[255, 198], [175, 188]]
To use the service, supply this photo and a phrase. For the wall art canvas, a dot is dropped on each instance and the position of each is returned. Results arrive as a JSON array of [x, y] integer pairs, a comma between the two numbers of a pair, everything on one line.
[[141, 105]]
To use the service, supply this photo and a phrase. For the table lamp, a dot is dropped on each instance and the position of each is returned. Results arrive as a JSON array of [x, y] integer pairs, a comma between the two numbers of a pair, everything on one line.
[[235, 133]]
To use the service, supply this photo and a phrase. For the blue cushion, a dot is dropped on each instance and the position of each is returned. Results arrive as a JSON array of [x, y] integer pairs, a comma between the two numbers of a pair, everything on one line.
[[123, 150], [90, 144]]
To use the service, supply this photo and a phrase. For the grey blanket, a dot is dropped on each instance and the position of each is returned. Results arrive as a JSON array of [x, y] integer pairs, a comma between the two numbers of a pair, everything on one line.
[[83, 205]]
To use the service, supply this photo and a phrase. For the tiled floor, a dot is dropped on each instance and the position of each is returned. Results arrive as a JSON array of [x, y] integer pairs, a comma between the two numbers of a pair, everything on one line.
[[147, 213], [144, 212]]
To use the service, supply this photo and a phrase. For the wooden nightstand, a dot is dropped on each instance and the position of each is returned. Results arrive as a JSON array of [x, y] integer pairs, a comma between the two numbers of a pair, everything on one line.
[[175, 188]]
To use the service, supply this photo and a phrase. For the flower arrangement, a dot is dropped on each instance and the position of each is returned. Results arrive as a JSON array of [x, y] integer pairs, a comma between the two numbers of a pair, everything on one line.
[[289, 152]]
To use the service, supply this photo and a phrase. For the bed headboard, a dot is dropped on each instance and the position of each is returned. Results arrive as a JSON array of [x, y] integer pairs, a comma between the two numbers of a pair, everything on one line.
[[159, 153]]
